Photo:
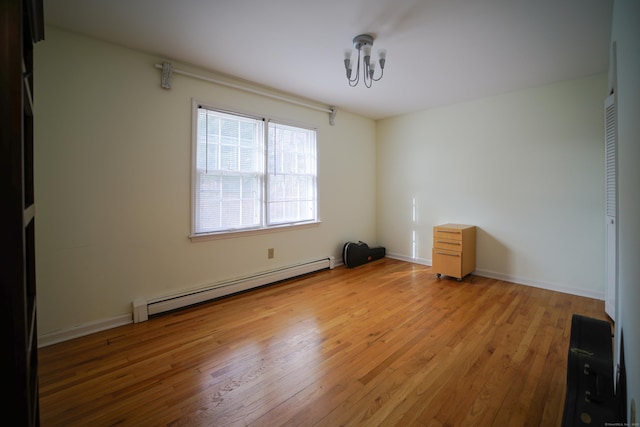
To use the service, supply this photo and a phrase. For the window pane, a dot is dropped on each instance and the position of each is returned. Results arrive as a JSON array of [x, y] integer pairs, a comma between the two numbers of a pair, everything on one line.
[[227, 188], [291, 165], [228, 157], [229, 130], [212, 128], [248, 134], [208, 202]]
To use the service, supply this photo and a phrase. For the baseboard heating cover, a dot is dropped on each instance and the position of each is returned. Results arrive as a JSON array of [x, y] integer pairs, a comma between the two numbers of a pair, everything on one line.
[[142, 308]]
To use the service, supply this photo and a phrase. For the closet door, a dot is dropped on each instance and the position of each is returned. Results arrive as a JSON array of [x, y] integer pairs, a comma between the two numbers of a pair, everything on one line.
[[21, 25], [611, 220]]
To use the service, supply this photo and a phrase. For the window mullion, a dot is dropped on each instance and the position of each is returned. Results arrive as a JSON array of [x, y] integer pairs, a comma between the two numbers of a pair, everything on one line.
[[265, 174], [238, 167], [206, 144]]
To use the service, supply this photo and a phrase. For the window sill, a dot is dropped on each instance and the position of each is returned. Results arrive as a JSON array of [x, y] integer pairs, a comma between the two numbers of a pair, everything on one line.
[[253, 232]]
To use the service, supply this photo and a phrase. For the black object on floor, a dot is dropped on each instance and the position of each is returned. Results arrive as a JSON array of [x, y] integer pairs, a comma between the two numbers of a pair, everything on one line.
[[355, 254], [590, 398]]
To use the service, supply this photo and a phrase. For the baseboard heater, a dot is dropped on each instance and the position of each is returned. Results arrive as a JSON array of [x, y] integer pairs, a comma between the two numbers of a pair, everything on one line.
[[142, 308]]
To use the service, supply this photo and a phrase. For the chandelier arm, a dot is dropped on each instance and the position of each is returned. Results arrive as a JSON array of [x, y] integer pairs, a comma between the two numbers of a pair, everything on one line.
[[365, 74], [356, 80], [368, 76], [357, 69], [381, 74]]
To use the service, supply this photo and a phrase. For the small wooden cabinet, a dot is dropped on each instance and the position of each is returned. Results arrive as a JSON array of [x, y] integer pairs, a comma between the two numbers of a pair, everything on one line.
[[454, 250]]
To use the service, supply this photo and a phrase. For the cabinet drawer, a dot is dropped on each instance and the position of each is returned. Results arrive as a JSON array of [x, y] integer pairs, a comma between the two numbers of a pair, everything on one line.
[[452, 245], [447, 262], [446, 234]]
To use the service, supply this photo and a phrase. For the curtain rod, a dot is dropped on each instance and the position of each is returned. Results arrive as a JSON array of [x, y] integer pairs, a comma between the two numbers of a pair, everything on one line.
[[168, 71]]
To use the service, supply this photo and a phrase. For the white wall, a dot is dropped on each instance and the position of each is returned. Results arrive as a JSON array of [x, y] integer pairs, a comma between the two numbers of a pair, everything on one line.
[[525, 167], [626, 35], [112, 165]]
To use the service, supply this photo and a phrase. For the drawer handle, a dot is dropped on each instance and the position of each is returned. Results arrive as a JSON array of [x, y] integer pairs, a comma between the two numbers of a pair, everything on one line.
[[448, 243], [447, 231], [444, 253]]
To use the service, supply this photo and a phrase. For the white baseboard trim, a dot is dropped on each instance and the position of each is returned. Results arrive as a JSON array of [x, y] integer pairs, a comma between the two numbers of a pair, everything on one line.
[[82, 330], [401, 257], [557, 287], [168, 303], [518, 280]]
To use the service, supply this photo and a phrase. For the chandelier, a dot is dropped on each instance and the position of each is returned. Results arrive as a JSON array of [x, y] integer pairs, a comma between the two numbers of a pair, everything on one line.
[[362, 44]]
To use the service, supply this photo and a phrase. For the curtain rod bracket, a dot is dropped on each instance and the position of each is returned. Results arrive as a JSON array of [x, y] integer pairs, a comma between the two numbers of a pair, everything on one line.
[[332, 115], [167, 72]]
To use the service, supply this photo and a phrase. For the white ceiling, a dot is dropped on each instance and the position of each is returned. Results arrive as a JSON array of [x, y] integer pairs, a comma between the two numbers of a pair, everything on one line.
[[438, 51]]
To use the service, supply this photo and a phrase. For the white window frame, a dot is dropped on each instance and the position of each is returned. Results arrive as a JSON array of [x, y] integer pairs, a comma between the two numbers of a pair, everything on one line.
[[265, 226]]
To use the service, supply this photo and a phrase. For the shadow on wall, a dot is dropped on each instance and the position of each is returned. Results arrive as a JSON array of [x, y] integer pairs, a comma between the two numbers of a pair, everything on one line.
[[491, 254]]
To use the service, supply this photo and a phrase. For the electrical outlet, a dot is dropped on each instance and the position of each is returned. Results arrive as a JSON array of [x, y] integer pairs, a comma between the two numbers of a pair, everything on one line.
[[270, 253]]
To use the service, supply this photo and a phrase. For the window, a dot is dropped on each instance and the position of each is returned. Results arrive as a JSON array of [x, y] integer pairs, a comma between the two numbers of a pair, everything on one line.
[[291, 195], [246, 178]]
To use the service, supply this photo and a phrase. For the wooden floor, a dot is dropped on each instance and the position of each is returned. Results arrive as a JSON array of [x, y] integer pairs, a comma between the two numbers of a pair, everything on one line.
[[383, 344]]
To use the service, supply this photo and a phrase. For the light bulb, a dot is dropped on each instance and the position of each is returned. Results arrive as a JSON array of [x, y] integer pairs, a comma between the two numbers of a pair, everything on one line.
[[382, 54]]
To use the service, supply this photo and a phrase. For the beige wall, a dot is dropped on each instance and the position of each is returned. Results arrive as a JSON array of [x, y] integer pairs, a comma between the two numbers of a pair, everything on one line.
[[112, 164], [525, 167]]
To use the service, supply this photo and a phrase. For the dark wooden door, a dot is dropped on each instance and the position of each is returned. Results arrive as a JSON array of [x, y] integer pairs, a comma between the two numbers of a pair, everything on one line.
[[21, 25]]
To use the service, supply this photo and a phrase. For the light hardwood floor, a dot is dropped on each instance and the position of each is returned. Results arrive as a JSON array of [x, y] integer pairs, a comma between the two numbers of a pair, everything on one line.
[[383, 344]]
